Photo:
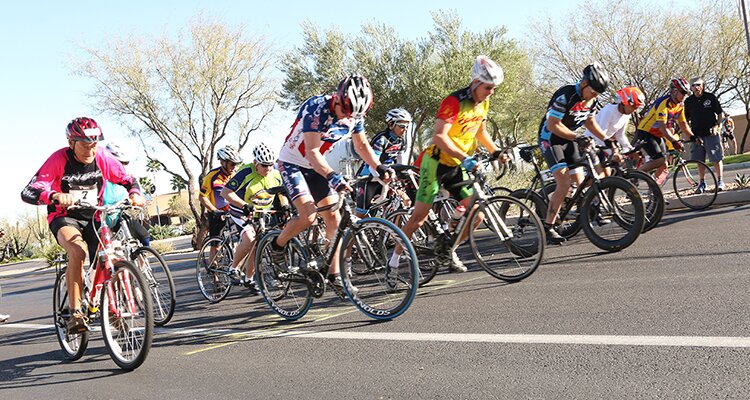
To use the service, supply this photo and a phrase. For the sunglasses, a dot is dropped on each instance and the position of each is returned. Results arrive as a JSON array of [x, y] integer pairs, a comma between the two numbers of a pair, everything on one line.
[[404, 126], [697, 85], [266, 165]]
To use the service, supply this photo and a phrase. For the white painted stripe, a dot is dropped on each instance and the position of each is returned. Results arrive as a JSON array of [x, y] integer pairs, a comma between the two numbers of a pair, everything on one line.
[[603, 340]]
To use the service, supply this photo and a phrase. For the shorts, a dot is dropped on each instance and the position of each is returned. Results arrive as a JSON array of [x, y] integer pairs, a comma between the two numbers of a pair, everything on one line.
[[711, 147], [559, 156], [87, 229], [300, 181], [366, 191], [433, 174], [216, 223], [242, 222], [652, 144]]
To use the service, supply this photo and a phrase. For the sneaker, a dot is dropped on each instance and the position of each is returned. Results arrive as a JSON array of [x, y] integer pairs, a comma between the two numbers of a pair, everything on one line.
[[338, 286], [235, 274], [720, 186], [552, 236], [251, 286], [602, 220], [78, 323], [456, 265], [391, 276], [701, 188], [662, 177], [4, 317]]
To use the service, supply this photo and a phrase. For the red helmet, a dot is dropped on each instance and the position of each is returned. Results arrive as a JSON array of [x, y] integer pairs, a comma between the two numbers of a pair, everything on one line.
[[355, 95], [631, 96], [84, 129], [680, 84]]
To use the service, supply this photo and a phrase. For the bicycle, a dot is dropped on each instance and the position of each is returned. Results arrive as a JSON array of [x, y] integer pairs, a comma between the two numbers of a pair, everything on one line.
[[513, 255], [609, 210], [117, 295], [376, 289], [153, 267]]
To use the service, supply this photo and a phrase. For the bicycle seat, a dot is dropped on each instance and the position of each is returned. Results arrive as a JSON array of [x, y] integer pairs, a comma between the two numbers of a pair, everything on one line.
[[277, 190], [527, 153], [401, 168]]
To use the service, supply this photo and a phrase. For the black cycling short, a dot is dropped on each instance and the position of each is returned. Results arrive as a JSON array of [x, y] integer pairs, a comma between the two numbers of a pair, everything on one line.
[[560, 156], [652, 144], [365, 192], [87, 229], [216, 222]]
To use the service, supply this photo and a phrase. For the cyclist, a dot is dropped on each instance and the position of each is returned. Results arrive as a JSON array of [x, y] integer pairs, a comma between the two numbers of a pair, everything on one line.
[[570, 107], [727, 133], [114, 193], [3, 317], [389, 145], [461, 122], [77, 172], [659, 122], [251, 179], [210, 194], [321, 122], [613, 119]]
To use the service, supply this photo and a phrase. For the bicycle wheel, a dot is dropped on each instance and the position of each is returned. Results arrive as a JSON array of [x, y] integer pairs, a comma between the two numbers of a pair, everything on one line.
[[533, 200], [514, 246], [283, 287], [159, 278], [612, 214], [127, 316], [212, 273], [686, 181], [75, 344], [423, 241], [569, 225], [651, 195], [384, 292]]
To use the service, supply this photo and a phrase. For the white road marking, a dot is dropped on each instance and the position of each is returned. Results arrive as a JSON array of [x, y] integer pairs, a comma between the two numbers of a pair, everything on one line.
[[598, 340]]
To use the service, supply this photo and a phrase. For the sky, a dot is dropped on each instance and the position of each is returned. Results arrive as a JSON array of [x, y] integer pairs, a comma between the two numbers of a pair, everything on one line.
[[42, 43]]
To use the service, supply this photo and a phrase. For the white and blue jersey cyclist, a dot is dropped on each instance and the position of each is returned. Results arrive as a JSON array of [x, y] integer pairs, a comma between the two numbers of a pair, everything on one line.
[[389, 148]]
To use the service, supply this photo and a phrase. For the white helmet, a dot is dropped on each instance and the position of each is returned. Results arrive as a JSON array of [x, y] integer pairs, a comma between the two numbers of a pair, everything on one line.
[[263, 155], [118, 152], [355, 95], [228, 153], [487, 71], [397, 114]]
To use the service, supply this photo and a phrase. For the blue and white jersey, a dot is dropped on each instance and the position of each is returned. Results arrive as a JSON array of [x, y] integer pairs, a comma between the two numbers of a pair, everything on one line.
[[388, 147], [568, 105], [316, 115]]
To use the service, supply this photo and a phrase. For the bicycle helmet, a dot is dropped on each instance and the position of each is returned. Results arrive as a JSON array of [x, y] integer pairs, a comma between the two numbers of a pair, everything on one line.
[[229, 154], [487, 71], [680, 84], [118, 152], [262, 154], [631, 96], [84, 129], [597, 77], [728, 124], [355, 95], [397, 114]]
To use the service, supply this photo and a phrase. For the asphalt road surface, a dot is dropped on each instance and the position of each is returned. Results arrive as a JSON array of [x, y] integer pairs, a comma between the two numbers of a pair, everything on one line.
[[665, 318]]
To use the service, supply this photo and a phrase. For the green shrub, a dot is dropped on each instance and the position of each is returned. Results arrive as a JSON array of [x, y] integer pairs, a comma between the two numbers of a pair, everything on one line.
[[162, 247], [161, 232]]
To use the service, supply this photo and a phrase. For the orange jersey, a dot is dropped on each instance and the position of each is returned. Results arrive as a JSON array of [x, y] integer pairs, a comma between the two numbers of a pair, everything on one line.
[[662, 110]]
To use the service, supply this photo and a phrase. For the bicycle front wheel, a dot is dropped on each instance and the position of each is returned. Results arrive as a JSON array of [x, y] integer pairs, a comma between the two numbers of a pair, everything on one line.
[[284, 288], [384, 292], [687, 185], [127, 316], [212, 271], [423, 240], [513, 247], [159, 279], [72, 344], [612, 214]]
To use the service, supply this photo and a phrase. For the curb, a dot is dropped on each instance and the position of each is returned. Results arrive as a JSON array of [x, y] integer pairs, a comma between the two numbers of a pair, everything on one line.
[[722, 198]]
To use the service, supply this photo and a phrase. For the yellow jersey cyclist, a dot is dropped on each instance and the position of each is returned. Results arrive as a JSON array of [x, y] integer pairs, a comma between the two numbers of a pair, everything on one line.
[[210, 194], [571, 107], [659, 123], [250, 180], [461, 122]]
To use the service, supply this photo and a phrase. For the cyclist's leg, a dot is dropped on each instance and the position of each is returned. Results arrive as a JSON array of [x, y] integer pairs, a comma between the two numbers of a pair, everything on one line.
[[428, 189], [139, 232], [296, 180], [247, 238], [554, 155], [366, 191], [215, 225], [332, 218], [449, 179], [652, 147], [68, 233]]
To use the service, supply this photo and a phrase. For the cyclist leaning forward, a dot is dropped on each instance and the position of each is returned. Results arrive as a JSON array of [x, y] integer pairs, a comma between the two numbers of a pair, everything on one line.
[[570, 107], [77, 172], [309, 180], [461, 122]]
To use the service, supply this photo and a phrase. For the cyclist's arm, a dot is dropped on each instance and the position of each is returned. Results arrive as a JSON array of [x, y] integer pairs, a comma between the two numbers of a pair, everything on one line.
[[485, 139], [444, 142], [594, 128], [46, 182], [203, 196], [557, 128], [685, 128], [363, 148], [666, 131], [232, 197], [312, 153]]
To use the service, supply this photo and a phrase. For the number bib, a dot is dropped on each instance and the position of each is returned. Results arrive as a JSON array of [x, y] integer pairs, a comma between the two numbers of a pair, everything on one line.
[[84, 194]]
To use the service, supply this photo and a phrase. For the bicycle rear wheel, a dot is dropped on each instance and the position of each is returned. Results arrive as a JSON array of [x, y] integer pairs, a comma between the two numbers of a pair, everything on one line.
[[159, 279], [383, 292], [686, 181], [569, 225], [612, 214], [212, 273], [423, 240], [127, 316], [513, 247], [651, 195], [283, 287], [72, 344]]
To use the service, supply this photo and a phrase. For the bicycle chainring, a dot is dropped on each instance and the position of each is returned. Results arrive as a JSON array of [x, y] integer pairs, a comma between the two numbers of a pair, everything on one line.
[[317, 283]]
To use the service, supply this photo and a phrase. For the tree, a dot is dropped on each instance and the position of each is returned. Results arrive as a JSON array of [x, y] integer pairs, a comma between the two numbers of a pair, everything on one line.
[[147, 186], [178, 183], [189, 93]]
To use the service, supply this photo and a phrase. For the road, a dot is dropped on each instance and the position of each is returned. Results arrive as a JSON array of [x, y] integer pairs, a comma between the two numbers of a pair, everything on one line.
[[665, 318]]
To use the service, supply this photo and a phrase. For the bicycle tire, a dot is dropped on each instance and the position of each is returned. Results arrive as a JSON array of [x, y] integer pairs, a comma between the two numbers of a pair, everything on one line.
[[130, 347], [520, 249], [651, 195], [283, 288], [383, 293], [159, 277], [423, 241], [685, 182], [74, 345], [533, 200], [607, 236], [214, 286]]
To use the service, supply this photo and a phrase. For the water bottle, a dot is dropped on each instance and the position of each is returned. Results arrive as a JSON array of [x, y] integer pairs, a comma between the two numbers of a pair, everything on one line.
[[458, 213]]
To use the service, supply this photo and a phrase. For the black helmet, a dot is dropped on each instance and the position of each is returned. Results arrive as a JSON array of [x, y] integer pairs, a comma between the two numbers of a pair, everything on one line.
[[597, 77]]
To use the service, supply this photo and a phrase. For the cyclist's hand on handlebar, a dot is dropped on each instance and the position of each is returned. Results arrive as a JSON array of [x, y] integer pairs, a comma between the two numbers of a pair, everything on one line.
[[500, 155], [247, 209], [386, 173], [678, 145], [469, 163], [337, 182], [136, 200], [63, 199]]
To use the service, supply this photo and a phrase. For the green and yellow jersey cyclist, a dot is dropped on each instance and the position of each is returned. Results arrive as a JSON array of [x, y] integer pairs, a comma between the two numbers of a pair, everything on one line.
[[460, 123], [252, 180]]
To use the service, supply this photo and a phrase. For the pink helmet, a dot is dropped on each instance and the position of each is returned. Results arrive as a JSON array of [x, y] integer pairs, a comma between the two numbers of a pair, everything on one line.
[[84, 129]]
